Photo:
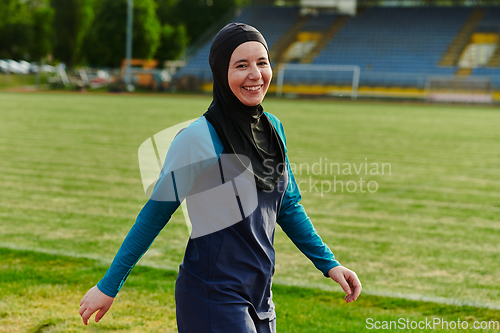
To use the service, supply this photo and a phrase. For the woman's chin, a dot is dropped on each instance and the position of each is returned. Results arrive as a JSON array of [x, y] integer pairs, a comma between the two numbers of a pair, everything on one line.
[[251, 100], [251, 103]]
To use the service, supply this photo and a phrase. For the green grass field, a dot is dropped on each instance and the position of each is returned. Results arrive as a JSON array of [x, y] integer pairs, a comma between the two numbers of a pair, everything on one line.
[[17, 81], [40, 291], [71, 187]]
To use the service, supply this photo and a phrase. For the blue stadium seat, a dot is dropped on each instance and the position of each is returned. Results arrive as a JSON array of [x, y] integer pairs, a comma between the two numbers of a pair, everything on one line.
[[395, 40], [272, 22]]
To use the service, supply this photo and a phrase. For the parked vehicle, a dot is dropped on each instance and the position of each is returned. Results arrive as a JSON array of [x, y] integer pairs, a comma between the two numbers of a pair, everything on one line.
[[4, 66], [35, 67], [48, 69], [15, 67], [26, 66]]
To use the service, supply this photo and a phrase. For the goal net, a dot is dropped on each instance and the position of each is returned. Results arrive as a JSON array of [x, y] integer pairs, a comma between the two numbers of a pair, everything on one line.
[[333, 80], [460, 89]]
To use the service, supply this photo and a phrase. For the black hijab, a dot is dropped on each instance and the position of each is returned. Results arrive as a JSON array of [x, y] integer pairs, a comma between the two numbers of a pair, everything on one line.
[[243, 129]]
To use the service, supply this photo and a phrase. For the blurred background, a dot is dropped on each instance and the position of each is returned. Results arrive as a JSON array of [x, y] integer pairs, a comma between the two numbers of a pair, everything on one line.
[[426, 50]]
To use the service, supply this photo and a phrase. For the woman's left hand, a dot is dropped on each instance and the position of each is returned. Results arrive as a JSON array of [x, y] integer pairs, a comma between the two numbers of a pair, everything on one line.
[[348, 280]]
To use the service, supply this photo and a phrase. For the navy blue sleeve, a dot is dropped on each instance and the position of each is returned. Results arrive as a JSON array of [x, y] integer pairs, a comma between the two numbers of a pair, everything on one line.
[[296, 224], [150, 221]]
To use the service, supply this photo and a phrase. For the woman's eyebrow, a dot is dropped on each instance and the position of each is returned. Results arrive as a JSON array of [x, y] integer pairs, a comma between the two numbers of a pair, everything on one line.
[[240, 61], [245, 60]]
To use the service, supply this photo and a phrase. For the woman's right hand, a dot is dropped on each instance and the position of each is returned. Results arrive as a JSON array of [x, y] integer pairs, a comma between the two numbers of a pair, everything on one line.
[[93, 301]]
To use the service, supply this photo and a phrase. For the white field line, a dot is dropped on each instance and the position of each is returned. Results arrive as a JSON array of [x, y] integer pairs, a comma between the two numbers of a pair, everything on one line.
[[412, 297], [100, 259]]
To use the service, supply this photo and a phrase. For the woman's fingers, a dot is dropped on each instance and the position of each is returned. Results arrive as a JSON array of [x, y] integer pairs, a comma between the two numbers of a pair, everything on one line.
[[343, 283], [86, 315], [356, 284], [100, 314], [94, 300], [337, 275], [83, 300], [85, 312], [348, 280]]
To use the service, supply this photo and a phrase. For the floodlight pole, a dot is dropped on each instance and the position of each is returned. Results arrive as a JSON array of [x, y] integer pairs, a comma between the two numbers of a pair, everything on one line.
[[128, 56]]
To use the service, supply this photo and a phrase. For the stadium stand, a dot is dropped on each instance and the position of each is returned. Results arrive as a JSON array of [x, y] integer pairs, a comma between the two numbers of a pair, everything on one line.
[[490, 21], [308, 38], [272, 22], [395, 40], [319, 23], [394, 46], [491, 24]]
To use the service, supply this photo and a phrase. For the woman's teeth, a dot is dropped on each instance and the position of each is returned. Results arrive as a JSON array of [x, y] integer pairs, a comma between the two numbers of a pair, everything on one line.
[[252, 88]]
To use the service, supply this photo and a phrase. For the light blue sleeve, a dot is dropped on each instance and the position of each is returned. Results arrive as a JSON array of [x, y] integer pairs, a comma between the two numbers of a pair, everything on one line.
[[193, 151], [296, 224]]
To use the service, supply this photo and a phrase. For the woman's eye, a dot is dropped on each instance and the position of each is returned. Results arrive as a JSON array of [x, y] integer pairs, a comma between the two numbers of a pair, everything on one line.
[[241, 66]]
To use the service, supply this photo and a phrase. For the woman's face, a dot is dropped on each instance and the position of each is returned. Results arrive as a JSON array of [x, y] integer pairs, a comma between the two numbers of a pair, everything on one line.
[[249, 73]]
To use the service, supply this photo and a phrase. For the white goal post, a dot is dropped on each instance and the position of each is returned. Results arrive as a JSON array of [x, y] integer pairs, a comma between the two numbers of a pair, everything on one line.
[[467, 89], [323, 68]]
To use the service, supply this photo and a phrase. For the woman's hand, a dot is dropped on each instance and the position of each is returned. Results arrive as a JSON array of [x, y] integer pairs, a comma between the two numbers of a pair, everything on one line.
[[348, 280], [94, 300]]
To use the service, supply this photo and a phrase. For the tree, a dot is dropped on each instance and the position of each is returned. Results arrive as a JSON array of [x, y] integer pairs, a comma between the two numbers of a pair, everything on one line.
[[173, 41], [184, 21], [16, 33], [167, 13], [174, 37], [42, 30], [198, 15], [105, 45], [72, 21]]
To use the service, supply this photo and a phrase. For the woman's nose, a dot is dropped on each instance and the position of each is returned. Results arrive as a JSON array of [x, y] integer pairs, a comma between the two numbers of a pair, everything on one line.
[[254, 73]]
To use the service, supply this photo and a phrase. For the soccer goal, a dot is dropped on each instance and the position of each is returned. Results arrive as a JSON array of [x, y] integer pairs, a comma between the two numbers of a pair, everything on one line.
[[460, 89], [331, 77]]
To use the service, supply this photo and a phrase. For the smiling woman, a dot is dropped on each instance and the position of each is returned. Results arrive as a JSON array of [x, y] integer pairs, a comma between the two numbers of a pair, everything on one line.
[[224, 283], [249, 73]]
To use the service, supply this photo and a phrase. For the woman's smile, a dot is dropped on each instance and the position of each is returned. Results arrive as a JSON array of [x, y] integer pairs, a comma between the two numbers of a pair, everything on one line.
[[253, 88]]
